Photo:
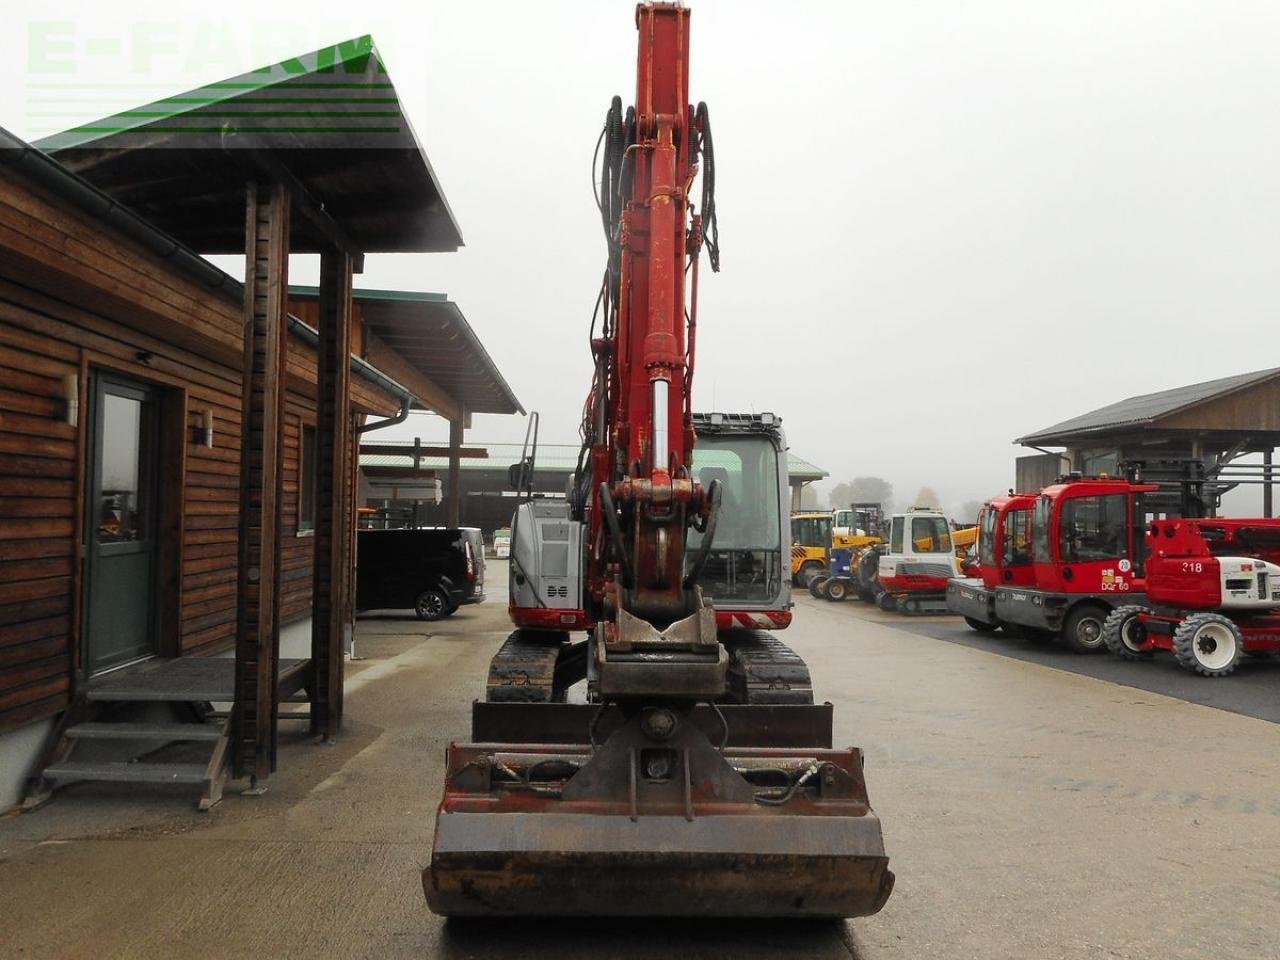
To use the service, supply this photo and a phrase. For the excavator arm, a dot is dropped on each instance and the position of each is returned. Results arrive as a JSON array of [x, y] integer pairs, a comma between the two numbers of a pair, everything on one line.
[[699, 777]]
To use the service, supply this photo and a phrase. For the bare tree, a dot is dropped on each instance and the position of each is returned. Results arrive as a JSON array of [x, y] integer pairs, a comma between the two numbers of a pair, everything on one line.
[[927, 497], [863, 490]]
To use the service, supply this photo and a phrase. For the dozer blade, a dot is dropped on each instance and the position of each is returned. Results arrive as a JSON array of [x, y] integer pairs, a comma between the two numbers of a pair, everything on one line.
[[634, 829]]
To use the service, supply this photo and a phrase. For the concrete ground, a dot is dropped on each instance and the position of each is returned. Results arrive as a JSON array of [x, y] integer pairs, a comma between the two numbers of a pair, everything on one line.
[[1029, 812]]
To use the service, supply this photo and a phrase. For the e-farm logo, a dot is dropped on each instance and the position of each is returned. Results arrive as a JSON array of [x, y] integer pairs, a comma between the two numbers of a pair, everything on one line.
[[93, 83]]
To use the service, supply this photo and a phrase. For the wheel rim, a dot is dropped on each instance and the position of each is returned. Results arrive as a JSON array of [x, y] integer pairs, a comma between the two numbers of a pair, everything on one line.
[[836, 590], [430, 605], [1089, 632], [1214, 646], [1133, 634]]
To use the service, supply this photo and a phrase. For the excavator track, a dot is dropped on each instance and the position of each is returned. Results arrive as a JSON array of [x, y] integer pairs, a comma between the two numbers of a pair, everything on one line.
[[524, 668], [763, 669]]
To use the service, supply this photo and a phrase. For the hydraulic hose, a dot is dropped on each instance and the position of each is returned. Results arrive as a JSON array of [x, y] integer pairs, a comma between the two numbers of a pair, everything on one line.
[[715, 493]]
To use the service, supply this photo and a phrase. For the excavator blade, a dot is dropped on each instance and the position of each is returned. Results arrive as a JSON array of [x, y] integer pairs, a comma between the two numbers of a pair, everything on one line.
[[631, 828]]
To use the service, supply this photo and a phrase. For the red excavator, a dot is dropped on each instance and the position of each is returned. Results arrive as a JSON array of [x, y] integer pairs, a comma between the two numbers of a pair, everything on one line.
[[695, 775]]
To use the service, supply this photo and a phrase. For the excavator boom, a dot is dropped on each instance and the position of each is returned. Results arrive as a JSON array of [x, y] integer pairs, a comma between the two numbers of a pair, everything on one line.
[[699, 777]]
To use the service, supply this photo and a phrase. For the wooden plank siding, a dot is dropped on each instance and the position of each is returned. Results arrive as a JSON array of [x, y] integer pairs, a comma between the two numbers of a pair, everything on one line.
[[76, 297]]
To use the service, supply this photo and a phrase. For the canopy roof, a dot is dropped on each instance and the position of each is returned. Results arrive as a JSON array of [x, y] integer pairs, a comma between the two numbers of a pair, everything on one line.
[[328, 122], [430, 333], [552, 458], [1149, 409]]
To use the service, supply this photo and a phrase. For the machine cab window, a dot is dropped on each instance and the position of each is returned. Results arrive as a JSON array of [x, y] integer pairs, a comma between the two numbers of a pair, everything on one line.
[[1016, 547], [1094, 528], [930, 535]]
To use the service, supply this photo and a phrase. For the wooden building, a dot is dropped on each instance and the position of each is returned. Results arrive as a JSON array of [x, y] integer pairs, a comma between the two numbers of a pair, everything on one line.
[[177, 451]]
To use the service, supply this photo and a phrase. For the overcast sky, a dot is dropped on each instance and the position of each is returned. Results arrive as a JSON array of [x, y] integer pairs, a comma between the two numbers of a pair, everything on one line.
[[943, 224]]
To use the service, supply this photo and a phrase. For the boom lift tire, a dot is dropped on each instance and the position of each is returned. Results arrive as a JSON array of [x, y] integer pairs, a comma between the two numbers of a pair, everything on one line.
[[836, 590], [1124, 634], [1209, 644], [432, 605], [980, 625], [1082, 628]]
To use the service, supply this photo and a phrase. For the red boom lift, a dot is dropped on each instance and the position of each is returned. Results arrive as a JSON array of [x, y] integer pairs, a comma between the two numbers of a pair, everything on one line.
[[1213, 594], [697, 779]]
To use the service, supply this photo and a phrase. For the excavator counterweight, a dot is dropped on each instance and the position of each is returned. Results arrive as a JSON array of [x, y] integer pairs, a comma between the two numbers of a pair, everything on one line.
[[695, 775]]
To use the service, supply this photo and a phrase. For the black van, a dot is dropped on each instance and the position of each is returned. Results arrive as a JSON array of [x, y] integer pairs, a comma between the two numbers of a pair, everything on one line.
[[432, 571]]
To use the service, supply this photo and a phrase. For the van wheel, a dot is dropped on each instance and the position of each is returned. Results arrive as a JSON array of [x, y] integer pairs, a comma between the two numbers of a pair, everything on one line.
[[1209, 644], [1082, 629], [431, 605], [1124, 634]]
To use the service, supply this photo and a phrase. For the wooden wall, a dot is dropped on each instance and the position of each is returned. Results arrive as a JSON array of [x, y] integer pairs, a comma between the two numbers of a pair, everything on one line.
[[74, 298]]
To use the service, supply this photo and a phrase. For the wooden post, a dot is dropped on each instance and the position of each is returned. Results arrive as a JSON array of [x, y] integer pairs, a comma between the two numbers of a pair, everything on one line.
[[454, 493], [261, 442], [1266, 485], [330, 617]]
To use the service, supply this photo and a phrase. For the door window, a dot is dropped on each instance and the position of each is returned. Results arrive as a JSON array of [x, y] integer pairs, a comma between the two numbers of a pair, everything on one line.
[[122, 504]]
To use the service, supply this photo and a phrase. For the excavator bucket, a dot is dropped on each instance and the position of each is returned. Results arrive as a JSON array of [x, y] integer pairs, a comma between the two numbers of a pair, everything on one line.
[[672, 825]]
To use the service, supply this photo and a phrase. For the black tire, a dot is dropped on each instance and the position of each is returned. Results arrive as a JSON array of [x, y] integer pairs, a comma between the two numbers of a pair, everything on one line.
[[980, 625], [887, 602], [431, 605], [836, 590], [817, 584], [1124, 634], [807, 572], [1209, 644], [1082, 628]]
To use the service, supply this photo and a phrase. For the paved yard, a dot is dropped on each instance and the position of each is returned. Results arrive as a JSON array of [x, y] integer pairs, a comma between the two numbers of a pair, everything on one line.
[[1029, 812]]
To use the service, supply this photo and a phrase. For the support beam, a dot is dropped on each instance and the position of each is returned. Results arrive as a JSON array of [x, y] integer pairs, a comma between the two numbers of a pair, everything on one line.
[[454, 492], [330, 613], [261, 442], [1266, 486]]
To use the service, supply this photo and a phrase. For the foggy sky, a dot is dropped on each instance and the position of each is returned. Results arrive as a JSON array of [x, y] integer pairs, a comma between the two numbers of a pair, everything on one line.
[[943, 225]]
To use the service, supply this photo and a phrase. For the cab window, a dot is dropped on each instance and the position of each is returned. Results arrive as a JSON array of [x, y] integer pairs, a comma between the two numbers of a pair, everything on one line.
[[1094, 528], [1040, 552], [1017, 538], [930, 535], [896, 538], [987, 537]]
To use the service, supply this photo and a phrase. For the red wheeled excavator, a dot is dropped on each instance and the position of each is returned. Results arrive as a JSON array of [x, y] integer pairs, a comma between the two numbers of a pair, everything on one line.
[[695, 776]]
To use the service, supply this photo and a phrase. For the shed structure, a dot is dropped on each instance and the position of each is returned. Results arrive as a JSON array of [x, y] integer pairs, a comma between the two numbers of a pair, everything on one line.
[[1215, 422]]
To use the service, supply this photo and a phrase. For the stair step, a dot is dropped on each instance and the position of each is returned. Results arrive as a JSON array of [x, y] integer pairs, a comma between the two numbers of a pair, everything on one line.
[[144, 731], [128, 772]]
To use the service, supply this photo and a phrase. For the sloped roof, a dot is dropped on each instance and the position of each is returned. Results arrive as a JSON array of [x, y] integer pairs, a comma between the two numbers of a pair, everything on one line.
[[1146, 408], [430, 332], [331, 119], [552, 457]]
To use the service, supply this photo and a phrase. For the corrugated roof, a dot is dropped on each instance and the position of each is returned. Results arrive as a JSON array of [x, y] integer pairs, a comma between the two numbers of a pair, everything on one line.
[[331, 118], [430, 332], [552, 457], [1147, 408]]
